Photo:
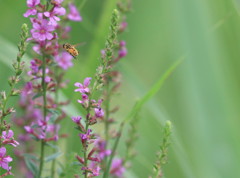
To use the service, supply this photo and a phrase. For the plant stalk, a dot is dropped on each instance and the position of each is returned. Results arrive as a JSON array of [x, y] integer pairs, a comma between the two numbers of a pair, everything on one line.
[[44, 91]]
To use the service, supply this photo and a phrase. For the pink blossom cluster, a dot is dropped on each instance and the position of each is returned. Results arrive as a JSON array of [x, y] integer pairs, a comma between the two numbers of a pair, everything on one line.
[[94, 113], [45, 32], [6, 139], [45, 24]]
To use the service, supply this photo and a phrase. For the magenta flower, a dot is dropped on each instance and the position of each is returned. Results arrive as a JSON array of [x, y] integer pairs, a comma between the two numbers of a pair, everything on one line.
[[99, 113], [93, 169], [42, 31], [123, 50], [117, 168], [84, 100], [4, 160], [86, 136], [102, 152], [8, 138], [77, 119], [57, 11], [123, 26], [29, 129], [74, 14], [34, 67], [64, 60], [32, 4], [83, 88]]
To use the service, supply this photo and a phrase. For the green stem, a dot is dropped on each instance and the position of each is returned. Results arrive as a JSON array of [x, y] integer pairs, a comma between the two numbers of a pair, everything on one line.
[[6, 100], [44, 91], [85, 150], [53, 168], [56, 100], [106, 123], [106, 173]]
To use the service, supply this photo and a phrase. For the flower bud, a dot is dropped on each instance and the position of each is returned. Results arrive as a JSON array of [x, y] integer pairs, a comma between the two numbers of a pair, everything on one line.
[[15, 92], [3, 95]]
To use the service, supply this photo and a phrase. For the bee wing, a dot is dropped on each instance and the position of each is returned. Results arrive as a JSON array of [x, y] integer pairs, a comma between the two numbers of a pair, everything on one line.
[[79, 44]]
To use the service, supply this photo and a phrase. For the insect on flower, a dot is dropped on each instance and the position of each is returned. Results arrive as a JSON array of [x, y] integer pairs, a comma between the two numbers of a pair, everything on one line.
[[71, 49]]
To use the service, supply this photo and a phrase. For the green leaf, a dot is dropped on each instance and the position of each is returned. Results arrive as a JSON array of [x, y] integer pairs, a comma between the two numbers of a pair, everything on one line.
[[37, 96], [155, 88], [53, 146], [31, 165], [53, 156], [30, 156]]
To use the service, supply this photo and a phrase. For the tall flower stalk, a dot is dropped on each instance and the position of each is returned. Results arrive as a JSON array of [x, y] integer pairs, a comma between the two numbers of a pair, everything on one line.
[[46, 72], [162, 155], [7, 134]]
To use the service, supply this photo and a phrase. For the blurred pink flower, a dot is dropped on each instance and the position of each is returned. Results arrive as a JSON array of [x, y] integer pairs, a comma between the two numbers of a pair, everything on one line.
[[4, 160], [74, 14], [117, 168], [32, 4], [8, 138], [64, 60]]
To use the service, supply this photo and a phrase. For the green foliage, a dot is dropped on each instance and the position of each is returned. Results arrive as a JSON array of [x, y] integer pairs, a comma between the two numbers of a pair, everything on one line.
[[154, 89], [162, 155], [30, 161]]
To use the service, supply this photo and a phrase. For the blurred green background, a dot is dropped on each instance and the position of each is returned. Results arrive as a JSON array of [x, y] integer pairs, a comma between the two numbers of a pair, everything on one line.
[[201, 97]]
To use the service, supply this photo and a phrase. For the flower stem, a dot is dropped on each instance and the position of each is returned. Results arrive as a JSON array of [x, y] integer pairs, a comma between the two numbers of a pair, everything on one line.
[[106, 173], [106, 120], [85, 150], [44, 92]]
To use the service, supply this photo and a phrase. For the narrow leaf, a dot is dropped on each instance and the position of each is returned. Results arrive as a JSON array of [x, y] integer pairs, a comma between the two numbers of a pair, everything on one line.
[[155, 88], [53, 156]]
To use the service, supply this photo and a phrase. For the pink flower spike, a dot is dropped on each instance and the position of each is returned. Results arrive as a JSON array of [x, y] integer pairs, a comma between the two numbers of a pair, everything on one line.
[[74, 14], [4, 160]]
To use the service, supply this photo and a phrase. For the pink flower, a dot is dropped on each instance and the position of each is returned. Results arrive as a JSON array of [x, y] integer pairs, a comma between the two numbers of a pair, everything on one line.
[[117, 168], [4, 160], [83, 88], [29, 129], [93, 169], [74, 14], [85, 137], [102, 152], [84, 100], [77, 119], [99, 113], [32, 4], [123, 26], [123, 50], [42, 31], [64, 60], [57, 11], [8, 138]]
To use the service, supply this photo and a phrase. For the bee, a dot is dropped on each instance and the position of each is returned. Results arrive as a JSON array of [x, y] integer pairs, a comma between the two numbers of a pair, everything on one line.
[[71, 49]]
